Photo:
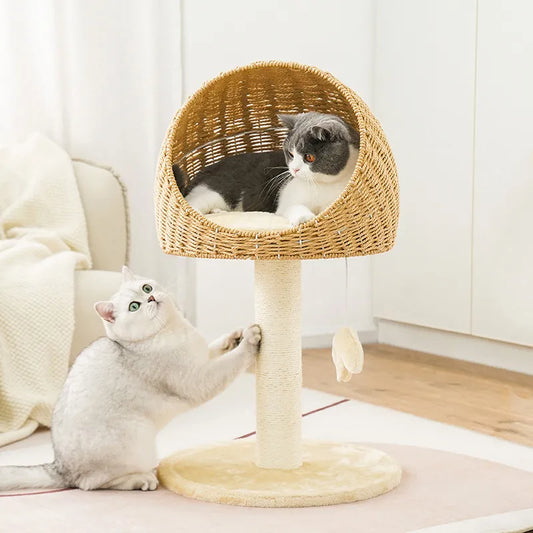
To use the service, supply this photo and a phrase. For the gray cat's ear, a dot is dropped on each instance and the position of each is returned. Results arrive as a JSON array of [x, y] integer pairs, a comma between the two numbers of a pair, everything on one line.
[[127, 274], [331, 130], [106, 310], [288, 120]]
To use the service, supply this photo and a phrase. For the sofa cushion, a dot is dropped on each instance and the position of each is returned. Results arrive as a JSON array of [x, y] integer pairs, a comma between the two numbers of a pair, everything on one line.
[[104, 203]]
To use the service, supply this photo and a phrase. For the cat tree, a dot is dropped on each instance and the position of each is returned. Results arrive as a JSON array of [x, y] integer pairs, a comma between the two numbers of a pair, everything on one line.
[[235, 113]]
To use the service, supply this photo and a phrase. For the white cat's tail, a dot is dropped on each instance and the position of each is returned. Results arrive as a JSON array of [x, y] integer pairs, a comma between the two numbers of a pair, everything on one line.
[[30, 477]]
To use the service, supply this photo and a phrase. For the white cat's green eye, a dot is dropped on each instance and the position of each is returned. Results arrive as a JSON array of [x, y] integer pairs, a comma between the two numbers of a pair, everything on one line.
[[147, 288], [134, 306]]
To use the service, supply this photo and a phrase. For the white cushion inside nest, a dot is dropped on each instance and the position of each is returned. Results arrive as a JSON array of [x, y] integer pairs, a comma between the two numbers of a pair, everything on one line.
[[250, 220]]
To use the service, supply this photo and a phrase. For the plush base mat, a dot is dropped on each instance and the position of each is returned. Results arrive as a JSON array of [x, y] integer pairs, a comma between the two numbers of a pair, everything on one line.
[[331, 473], [437, 488]]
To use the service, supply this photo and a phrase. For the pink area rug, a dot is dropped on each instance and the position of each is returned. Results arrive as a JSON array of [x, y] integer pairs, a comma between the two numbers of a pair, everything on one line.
[[437, 488]]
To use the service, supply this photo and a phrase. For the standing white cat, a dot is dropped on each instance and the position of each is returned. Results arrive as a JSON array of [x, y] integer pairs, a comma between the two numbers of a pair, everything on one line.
[[125, 387]]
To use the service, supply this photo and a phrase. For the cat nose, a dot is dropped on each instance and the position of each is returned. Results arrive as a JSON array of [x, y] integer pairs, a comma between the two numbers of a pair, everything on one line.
[[151, 299], [296, 170]]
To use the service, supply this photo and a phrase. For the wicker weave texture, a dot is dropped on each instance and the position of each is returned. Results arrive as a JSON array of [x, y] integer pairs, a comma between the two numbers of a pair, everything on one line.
[[236, 112]]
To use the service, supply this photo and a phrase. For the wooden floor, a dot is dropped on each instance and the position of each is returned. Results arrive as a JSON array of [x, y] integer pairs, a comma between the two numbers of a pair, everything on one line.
[[488, 400]]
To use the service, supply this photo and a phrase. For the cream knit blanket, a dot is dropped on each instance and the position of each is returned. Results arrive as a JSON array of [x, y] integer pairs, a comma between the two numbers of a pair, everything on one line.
[[43, 239]]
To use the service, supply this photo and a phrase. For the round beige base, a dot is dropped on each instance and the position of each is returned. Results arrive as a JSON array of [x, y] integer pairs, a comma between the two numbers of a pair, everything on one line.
[[331, 473]]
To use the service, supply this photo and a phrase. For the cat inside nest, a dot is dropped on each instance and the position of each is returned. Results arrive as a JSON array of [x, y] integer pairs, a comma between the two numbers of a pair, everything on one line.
[[316, 163]]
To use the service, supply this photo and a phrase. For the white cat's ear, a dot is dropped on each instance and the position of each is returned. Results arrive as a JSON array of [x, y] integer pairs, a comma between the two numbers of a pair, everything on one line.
[[127, 274], [288, 120], [106, 310]]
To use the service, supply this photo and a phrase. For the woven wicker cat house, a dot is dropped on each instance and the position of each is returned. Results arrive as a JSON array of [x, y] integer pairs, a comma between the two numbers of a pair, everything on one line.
[[235, 113]]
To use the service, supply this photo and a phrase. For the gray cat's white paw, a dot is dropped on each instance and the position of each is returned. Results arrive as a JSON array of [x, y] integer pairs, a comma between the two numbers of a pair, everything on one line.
[[298, 219], [252, 335]]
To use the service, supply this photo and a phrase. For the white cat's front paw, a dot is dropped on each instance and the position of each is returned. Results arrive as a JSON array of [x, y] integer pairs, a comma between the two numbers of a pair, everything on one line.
[[232, 340], [252, 335]]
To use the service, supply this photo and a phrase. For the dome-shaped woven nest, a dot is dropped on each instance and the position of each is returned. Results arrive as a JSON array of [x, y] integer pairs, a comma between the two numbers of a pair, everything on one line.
[[237, 112]]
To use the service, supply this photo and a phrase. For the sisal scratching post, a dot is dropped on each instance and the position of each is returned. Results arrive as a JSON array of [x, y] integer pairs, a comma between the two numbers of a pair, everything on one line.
[[279, 365]]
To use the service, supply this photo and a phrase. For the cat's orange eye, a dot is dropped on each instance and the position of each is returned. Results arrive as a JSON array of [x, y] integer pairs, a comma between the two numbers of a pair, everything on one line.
[[309, 158]]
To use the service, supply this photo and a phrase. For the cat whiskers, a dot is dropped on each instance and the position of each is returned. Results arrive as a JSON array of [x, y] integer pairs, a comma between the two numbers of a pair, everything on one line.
[[274, 182], [157, 319], [153, 312]]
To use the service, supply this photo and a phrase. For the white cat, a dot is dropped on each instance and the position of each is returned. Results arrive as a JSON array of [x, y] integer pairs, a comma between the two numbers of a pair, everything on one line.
[[125, 387]]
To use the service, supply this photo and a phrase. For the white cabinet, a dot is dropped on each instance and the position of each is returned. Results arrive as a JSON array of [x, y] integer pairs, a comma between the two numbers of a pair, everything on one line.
[[454, 91], [424, 89], [502, 280]]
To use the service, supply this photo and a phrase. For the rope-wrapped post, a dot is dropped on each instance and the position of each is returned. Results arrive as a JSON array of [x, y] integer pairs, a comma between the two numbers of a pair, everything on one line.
[[279, 364]]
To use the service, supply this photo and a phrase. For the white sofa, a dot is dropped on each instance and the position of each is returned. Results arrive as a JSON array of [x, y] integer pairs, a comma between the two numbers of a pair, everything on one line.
[[104, 201]]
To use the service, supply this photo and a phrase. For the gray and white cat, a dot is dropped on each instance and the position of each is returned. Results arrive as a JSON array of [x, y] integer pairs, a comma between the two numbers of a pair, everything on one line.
[[125, 387], [317, 161]]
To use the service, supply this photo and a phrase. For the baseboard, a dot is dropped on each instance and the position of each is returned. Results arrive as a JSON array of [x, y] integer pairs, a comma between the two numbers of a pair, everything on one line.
[[457, 345], [324, 340]]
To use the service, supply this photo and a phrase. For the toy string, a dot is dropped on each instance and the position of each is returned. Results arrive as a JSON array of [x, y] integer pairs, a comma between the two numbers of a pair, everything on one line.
[[346, 317]]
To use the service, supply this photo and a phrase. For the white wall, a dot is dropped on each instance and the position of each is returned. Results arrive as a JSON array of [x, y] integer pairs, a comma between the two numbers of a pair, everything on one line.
[[336, 36], [224, 296]]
